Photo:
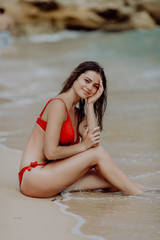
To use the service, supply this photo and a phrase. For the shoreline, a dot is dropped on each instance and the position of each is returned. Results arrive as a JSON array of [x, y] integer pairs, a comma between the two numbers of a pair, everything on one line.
[[43, 213]]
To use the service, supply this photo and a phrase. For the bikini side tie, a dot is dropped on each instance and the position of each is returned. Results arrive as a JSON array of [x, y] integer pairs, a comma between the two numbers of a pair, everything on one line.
[[32, 165]]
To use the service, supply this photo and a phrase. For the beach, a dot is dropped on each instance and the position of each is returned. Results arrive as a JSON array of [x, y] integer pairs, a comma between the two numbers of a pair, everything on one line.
[[23, 217], [131, 135]]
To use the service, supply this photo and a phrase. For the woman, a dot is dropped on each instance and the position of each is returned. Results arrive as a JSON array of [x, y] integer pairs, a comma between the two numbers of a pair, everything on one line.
[[55, 158]]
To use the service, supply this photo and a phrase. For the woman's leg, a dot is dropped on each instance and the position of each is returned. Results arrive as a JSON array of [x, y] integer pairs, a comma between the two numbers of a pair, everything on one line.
[[92, 181], [59, 175]]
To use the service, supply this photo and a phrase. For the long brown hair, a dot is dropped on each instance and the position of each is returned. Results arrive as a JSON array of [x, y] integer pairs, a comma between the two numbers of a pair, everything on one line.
[[101, 103]]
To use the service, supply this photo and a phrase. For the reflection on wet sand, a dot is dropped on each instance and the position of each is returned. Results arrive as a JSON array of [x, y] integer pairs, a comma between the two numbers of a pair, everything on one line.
[[116, 216]]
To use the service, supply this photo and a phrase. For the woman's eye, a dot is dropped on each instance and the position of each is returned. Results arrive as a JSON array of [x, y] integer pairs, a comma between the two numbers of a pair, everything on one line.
[[87, 80], [95, 86]]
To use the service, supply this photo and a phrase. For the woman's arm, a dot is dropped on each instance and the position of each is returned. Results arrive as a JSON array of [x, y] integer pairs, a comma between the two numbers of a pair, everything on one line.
[[91, 118], [90, 122], [52, 150]]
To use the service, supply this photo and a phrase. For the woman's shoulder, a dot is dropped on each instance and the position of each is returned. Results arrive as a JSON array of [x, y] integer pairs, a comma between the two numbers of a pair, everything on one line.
[[57, 102], [57, 106]]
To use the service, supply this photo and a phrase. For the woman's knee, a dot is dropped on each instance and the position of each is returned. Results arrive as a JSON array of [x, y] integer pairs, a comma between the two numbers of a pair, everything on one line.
[[97, 153], [100, 151], [101, 155]]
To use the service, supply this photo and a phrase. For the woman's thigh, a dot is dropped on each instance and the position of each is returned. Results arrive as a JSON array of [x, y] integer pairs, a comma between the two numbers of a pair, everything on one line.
[[58, 175]]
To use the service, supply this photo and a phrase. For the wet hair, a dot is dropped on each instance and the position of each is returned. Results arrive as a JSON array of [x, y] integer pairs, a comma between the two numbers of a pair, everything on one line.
[[101, 103], [2, 10]]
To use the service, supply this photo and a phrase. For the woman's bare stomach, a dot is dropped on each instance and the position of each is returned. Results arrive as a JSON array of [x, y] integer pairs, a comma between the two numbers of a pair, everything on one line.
[[34, 150]]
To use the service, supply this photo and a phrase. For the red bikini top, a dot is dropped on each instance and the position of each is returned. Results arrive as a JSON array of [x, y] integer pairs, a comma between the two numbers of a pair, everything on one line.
[[67, 132]]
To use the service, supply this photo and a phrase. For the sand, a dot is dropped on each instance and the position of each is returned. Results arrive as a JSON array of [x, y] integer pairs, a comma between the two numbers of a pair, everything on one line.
[[28, 218]]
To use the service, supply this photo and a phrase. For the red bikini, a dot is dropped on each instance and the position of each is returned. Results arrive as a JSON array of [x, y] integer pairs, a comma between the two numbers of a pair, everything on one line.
[[32, 165], [67, 132], [66, 137]]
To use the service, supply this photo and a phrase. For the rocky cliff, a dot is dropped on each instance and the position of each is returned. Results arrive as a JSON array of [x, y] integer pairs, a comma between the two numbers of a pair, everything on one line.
[[46, 16]]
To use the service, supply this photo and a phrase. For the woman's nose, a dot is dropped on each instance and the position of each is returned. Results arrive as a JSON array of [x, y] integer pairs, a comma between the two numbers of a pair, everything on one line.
[[89, 86]]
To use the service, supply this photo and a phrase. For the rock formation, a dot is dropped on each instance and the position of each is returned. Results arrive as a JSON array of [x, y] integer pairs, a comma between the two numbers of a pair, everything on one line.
[[46, 16]]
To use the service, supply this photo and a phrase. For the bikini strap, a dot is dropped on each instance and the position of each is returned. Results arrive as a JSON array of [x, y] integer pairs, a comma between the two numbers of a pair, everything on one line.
[[50, 101]]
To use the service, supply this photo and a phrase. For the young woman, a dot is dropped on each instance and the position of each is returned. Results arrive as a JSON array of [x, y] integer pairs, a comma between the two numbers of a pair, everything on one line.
[[55, 159]]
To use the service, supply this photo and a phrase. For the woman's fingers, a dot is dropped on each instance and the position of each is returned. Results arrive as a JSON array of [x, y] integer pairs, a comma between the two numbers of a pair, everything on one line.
[[96, 139], [86, 131], [96, 134], [95, 130], [92, 138]]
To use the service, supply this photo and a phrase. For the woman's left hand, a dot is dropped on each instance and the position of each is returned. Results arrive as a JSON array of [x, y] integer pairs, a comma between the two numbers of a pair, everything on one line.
[[97, 95]]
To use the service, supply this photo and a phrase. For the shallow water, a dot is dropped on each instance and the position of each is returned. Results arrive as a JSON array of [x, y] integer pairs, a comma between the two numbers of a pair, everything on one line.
[[132, 123], [116, 216]]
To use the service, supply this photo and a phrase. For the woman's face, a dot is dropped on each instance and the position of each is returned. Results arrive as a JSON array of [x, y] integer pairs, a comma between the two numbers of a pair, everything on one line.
[[87, 84]]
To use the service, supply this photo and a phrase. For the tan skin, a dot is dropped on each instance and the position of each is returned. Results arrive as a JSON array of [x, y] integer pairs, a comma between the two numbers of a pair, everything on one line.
[[72, 166]]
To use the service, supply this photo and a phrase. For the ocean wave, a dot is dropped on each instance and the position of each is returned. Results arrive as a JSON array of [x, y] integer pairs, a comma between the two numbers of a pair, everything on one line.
[[147, 174], [55, 37]]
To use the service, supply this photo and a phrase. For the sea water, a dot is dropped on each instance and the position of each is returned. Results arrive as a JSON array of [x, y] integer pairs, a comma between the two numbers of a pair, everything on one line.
[[131, 135]]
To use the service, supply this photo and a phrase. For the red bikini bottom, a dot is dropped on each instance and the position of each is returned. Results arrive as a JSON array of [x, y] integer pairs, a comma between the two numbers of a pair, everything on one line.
[[32, 165]]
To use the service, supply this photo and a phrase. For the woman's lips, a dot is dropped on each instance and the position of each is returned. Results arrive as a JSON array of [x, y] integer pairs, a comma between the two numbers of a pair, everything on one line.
[[87, 93]]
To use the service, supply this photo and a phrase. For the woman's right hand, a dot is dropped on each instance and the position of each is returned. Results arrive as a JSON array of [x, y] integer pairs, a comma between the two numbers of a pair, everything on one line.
[[91, 138]]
